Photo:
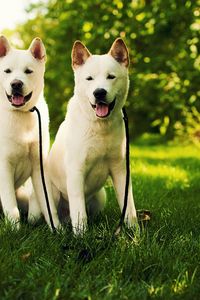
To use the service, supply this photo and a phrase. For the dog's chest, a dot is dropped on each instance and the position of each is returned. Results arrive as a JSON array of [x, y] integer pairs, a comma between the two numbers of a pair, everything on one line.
[[96, 168], [102, 147], [101, 151], [20, 145], [19, 141], [23, 158]]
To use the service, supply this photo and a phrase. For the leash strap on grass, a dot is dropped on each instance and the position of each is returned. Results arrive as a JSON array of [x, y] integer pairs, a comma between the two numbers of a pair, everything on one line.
[[42, 168], [125, 118]]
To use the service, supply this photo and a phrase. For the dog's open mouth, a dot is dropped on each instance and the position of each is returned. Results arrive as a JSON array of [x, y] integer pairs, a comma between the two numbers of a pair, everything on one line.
[[103, 109], [18, 100]]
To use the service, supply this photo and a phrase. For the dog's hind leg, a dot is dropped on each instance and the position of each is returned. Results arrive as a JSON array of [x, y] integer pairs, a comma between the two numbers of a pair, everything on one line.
[[27, 201], [34, 212], [40, 197], [96, 203], [23, 197]]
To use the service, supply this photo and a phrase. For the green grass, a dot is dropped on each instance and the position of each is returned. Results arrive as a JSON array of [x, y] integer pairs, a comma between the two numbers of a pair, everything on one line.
[[164, 263]]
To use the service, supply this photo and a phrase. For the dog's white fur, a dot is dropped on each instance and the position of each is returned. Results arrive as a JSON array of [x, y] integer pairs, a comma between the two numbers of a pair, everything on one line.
[[88, 149], [19, 137]]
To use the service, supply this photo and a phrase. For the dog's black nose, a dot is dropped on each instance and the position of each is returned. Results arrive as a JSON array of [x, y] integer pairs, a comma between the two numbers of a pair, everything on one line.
[[16, 84], [100, 94]]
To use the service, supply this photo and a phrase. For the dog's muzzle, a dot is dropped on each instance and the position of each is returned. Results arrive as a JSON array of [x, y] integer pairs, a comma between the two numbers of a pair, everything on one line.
[[17, 99], [103, 109]]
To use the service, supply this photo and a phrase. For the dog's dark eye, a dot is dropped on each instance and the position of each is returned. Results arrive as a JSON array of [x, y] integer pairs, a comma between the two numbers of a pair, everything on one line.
[[111, 76], [7, 71], [89, 78], [28, 71]]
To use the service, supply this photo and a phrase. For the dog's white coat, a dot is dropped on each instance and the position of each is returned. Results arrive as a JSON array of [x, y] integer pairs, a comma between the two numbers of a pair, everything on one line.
[[19, 137], [88, 149]]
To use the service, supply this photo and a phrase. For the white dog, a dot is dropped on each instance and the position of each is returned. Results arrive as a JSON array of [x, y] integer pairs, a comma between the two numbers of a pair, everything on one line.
[[21, 88], [90, 143]]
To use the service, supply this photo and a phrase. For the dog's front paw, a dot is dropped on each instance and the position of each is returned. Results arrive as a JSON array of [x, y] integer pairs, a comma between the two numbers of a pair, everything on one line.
[[80, 228], [58, 226], [132, 223], [13, 218]]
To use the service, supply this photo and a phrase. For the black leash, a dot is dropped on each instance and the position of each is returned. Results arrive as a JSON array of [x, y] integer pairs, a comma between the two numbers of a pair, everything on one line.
[[42, 168], [121, 222]]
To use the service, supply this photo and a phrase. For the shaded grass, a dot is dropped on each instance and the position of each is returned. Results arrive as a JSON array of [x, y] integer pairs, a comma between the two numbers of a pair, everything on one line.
[[163, 264]]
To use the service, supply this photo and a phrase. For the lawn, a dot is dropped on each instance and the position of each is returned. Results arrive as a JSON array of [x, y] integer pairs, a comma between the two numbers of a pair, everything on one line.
[[164, 263]]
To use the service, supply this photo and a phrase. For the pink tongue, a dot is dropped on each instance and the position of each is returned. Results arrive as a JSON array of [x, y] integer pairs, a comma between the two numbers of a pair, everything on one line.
[[17, 100], [102, 110]]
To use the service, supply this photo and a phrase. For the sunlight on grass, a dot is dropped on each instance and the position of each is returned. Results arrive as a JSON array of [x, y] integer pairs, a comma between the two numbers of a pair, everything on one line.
[[182, 282], [175, 165], [155, 291], [163, 152], [178, 287], [173, 176]]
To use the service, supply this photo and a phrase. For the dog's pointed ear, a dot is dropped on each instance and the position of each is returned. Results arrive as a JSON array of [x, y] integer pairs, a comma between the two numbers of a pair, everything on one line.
[[79, 54], [37, 49], [119, 52], [4, 46]]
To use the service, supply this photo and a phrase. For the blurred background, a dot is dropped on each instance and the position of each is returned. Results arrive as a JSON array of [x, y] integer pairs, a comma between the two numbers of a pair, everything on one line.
[[163, 40]]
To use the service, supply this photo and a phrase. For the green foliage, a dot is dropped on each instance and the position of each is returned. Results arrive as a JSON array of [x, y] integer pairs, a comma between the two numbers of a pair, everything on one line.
[[162, 264], [190, 128], [163, 39]]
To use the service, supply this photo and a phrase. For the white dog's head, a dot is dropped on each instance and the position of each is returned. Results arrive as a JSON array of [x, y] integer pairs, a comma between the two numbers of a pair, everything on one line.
[[101, 81], [21, 74]]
